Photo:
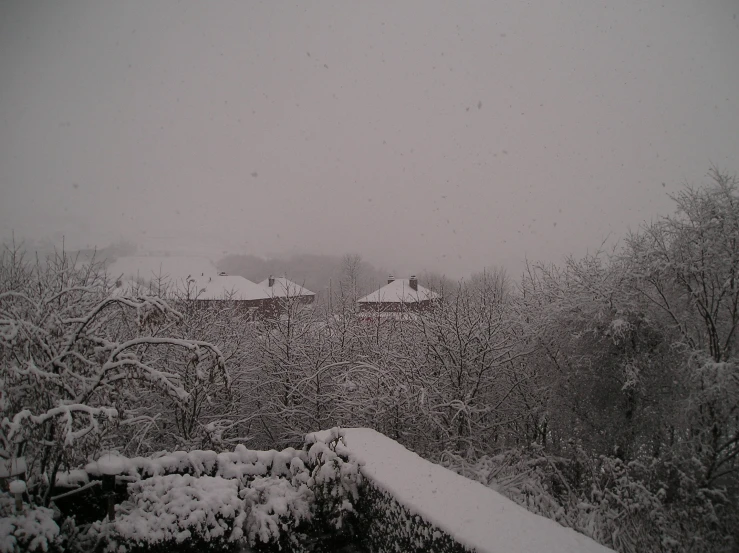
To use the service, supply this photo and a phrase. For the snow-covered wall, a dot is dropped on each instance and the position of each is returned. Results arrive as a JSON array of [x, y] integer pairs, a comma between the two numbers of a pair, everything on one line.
[[410, 504], [388, 526]]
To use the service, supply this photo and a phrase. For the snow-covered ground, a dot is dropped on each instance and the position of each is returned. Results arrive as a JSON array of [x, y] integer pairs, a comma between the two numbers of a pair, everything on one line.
[[471, 513]]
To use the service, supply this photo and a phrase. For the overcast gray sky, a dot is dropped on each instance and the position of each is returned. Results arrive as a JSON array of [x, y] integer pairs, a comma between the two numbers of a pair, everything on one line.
[[422, 134]]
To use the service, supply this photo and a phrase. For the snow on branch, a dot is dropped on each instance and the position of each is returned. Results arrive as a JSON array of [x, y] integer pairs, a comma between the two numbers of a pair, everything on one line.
[[66, 412]]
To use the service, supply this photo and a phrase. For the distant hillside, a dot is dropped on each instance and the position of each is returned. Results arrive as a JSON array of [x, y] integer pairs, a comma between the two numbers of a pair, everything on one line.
[[315, 272]]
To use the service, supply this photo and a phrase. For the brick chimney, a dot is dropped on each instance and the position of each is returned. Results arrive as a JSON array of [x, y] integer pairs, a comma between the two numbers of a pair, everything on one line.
[[271, 281], [390, 279], [413, 281]]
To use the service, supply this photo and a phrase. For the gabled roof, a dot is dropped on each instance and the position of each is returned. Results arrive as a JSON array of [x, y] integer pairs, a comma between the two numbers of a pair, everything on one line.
[[282, 287], [229, 287], [196, 274], [399, 291]]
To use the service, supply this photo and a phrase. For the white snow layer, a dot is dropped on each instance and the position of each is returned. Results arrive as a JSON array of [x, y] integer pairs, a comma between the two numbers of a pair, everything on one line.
[[110, 464], [176, 506], [283, 288], [474, 515], [238, 463], [33, 529], [17, 486], [399, 291]]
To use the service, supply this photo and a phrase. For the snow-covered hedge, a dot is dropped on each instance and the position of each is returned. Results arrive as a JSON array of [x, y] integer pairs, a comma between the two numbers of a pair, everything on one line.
[[177, 507], [335, 478], [88, 505], [274, 500], [239, 463], [274, 507], [386, 526]]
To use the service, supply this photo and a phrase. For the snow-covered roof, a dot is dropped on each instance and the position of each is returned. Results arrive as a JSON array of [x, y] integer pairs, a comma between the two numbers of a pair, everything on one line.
[[232, 287], [183, 273], [474, 515], [399, 291], [282, 287]]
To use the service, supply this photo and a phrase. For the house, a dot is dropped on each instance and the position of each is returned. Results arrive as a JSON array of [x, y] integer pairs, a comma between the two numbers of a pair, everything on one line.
[[398, 296], [281, 287], [189, 278], [286, 295]]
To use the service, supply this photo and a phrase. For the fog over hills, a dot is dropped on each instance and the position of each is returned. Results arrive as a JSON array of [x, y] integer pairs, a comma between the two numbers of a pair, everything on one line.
[[425, 136]]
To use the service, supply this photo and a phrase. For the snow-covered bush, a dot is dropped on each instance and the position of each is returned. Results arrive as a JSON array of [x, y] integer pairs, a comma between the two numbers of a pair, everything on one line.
[[275, 508], [33, 529], [268, 499], [176, 508], [165, 512], [334, 477]]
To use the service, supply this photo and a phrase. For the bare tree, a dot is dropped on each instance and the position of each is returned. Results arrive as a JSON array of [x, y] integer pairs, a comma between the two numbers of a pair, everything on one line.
[[72, 357], [686, 267]]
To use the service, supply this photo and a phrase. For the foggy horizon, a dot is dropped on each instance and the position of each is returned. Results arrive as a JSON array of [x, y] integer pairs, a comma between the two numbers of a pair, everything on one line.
[[424, 136]]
